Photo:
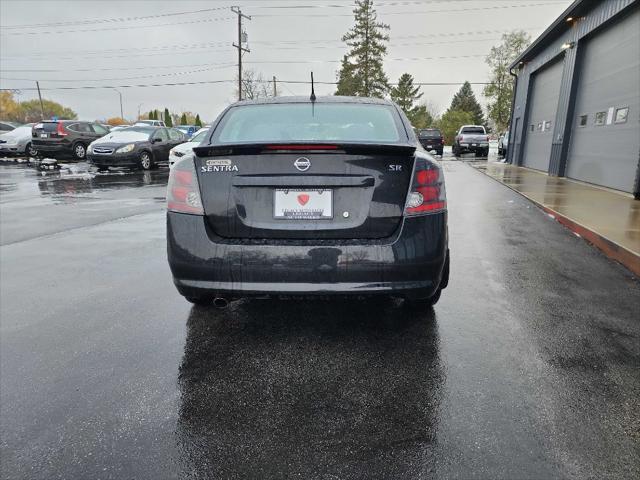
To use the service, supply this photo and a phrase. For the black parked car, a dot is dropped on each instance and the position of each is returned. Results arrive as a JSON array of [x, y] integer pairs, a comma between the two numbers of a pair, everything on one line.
[[65, 137], [291, 197], [137, 146], [431, 139]]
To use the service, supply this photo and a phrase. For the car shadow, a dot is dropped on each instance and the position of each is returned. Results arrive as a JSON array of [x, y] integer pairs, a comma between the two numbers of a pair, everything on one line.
[[282, 388]]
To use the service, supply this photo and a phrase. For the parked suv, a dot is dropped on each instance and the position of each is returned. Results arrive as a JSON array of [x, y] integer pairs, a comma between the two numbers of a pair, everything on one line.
[[431, 139], [65, 137], [471, 138]]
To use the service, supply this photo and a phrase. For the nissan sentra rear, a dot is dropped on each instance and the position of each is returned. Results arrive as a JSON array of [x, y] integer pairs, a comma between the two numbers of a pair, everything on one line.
[[292, 197]]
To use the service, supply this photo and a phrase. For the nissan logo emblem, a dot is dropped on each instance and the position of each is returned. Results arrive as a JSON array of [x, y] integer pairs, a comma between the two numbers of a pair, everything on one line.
[[303, 164]]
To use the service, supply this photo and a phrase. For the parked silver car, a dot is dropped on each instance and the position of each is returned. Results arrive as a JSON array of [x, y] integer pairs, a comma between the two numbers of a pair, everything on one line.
[[18, 141]]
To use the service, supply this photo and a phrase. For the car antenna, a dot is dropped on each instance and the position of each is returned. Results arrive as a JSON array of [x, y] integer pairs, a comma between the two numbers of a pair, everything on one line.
[[313, 93]]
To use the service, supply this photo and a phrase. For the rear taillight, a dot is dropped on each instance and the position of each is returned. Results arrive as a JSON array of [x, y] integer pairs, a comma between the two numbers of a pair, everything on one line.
[[183, 192], [61, 131], [427, 193]]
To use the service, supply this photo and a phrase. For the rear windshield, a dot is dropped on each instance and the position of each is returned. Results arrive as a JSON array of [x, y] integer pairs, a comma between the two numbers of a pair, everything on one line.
[[473, 130], [429, 133], [49, 126], [339, 122]]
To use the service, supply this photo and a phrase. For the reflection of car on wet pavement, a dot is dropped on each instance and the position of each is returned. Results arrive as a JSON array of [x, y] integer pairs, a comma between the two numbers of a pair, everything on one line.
[[179, 151], [334, 186], [471, 138], [17, 141], [138, 147], [64, 137]]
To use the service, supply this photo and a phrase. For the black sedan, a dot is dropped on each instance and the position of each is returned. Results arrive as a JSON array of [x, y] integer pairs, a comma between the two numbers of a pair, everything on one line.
[[289, 196], [137, 147]]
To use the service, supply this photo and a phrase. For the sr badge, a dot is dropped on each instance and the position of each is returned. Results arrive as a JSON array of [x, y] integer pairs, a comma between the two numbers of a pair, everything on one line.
[[218, 165]]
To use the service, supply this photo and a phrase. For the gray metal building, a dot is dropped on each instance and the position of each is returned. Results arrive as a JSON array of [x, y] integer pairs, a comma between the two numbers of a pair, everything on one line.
[[576, 109]]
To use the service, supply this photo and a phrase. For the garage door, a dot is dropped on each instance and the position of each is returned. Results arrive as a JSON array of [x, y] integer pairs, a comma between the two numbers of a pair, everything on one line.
[[605, 139], [543, 104]]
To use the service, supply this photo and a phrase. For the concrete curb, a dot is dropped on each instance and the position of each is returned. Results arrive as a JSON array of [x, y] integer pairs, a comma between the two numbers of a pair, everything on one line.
[[610, 248]]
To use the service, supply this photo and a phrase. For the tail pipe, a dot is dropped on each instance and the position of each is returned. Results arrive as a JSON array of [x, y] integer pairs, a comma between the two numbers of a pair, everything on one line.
[[220, 302]]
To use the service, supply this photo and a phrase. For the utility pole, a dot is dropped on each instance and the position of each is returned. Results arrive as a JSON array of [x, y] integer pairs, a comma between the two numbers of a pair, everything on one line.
[[275, 88], [41, 104], [239, 46], [121, 113]]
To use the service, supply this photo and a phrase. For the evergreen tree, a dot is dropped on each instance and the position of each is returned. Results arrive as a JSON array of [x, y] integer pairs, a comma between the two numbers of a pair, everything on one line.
[[198, 122], [465, 101], [347, 82], [406, 95], [362, 73], [183, 119], [167, 118]]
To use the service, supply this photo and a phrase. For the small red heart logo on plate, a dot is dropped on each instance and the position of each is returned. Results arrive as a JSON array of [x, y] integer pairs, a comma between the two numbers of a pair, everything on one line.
[[303, 198]]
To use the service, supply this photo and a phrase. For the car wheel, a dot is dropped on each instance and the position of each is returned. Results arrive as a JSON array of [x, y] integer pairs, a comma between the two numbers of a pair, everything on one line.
[[206, 300], [440, 152], [455, 151], [79, 151], [146, 162], [32, 152]]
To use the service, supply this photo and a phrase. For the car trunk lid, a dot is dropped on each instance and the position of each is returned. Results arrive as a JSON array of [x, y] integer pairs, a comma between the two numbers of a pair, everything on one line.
[[298, 191]]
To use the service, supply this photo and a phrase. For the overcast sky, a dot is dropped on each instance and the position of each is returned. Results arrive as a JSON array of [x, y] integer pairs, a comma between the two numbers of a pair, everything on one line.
[[100, 43]]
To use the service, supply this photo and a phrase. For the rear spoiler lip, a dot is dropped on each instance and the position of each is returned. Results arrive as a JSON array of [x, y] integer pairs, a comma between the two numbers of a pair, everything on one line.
[[239, 148]]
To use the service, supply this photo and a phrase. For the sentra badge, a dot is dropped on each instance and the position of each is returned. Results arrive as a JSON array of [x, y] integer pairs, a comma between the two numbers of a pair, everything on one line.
[[218, 165]]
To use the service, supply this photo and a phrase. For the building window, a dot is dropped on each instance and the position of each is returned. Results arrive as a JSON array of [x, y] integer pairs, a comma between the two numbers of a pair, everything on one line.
[[532, 127], [540, 126], [547, 126], [582, 120], [601, 117], [621, 115]]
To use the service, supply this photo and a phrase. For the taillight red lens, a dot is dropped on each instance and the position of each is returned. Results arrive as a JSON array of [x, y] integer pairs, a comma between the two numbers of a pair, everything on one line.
[[61, 131], [427, 194], [426, 177], [183, 191]]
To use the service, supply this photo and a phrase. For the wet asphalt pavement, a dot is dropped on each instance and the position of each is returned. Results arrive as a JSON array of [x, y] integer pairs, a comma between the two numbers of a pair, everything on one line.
[[528, 367]]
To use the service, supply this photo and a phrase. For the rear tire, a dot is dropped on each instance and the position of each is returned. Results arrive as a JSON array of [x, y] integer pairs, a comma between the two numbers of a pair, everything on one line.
[[202, 301], [79, 151], [440, 152]]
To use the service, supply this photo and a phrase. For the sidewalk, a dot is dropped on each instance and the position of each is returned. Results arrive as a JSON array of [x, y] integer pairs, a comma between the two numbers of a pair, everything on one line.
[[605, 218]]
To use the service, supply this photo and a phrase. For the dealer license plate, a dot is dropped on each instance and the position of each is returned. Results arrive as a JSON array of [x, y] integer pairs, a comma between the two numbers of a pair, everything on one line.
[[299, 204]]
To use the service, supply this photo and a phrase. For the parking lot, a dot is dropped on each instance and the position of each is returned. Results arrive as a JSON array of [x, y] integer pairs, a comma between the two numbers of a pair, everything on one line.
[[526, 368]]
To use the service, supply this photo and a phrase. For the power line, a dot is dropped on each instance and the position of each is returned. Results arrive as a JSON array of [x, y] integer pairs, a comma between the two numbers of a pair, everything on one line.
[[204, 20], [109, 20], [416, 12], [186, 46], [208, 82]]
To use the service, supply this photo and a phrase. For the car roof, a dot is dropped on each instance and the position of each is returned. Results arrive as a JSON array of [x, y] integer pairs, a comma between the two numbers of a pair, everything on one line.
[[320, 99]]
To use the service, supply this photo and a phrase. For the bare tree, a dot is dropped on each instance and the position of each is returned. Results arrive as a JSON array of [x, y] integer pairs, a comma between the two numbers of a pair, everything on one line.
[[254, 86]]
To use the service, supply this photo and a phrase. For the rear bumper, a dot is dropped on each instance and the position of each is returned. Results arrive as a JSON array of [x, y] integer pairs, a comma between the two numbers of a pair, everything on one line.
[[51, 147], [473, 148], [410, 264], [432, 145]]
